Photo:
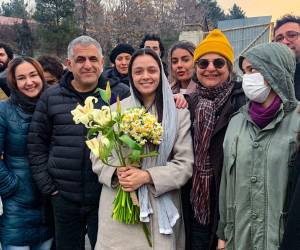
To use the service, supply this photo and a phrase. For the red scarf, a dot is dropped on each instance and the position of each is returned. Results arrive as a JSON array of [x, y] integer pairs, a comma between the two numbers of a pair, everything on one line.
[[207, 101]]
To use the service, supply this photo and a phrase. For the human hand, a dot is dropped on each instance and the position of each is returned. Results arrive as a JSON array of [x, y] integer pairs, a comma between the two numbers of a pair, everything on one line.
[[131, 178], [221, 244], [180, 101]]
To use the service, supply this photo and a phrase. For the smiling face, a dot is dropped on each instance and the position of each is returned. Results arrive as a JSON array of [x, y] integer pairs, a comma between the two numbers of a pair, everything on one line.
[[182, 65], [86, 64], [146, 76], [121, 63], [211, 76], [28, 80]]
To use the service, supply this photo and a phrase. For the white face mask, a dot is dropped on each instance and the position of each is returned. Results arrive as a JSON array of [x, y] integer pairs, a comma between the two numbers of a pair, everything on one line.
[[255, 88]]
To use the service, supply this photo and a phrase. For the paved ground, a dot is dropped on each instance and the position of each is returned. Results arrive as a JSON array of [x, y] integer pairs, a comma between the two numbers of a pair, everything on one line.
[[87, 244]]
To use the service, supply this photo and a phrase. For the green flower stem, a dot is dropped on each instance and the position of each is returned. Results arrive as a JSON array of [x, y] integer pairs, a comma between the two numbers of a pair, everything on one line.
[[126, 212], [147, 233]]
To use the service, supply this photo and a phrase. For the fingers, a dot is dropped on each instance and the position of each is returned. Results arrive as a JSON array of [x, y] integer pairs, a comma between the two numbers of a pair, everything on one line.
[[180, 101]]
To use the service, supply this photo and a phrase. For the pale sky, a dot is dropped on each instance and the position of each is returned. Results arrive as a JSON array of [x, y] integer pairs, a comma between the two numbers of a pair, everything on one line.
[[274, 8]]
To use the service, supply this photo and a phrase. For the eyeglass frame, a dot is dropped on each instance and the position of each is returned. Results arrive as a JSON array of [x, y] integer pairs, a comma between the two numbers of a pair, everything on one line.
[[203, 59], [286, 36]]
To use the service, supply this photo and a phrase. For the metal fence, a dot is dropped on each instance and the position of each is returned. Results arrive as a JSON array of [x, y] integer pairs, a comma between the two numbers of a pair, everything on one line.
[[246, 33]]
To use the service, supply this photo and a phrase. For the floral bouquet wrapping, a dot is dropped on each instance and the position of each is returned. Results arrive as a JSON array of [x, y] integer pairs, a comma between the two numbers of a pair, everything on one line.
[[119, 132]]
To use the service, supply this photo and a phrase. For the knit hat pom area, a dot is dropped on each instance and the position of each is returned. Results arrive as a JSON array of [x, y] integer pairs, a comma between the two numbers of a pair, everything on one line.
[[215, 42], [120, 48]]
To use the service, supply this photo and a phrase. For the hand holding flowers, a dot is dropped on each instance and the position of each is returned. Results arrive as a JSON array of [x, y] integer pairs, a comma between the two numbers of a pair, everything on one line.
[[131, 178], [126, 135]]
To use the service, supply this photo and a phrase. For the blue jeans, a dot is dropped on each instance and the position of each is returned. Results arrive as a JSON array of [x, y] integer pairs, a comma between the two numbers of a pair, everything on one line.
[[46, 245]]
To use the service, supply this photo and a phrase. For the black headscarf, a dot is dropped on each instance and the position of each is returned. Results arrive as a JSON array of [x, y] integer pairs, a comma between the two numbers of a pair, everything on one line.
[[26, 103]]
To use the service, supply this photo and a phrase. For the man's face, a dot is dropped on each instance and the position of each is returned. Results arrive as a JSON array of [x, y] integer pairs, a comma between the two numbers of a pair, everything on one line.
[[3, 60], [154, 45], [86, 64], [289, 34]]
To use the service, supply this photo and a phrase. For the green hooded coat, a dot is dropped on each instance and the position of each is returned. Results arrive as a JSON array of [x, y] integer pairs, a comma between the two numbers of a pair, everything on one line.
[[256, 161]]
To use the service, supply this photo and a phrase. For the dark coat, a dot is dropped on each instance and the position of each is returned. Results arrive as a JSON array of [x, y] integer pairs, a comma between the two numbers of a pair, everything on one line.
[[22, 221], [291, 238], [297, 81], [234, 102], [3, 84], [59, 157], [118, 83]]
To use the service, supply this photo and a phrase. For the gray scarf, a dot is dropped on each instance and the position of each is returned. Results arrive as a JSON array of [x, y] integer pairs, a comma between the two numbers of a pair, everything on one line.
[[167, 211]]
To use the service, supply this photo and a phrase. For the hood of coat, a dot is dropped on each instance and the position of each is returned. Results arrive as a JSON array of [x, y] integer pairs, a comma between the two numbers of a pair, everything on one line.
[[277, 63]]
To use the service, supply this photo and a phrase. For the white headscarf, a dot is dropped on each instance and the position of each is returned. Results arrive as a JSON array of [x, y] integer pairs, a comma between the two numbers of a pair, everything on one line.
[[167, 211]]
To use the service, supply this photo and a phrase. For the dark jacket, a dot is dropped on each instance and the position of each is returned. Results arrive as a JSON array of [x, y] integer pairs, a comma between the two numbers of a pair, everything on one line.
[[234, 102], [22, 221], [3, 83], [297, 81], [119, 84], [59, 157], [291, 238]]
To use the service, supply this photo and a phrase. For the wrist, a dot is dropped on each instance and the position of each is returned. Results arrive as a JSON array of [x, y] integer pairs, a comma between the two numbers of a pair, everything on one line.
[[147, 177]]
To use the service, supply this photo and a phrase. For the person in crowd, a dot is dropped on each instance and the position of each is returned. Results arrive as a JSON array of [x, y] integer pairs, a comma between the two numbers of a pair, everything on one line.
[[259, 148], [59, 158], [216, 98], [6, 55], [181, 66], [22, 224], [52, 68], [160, 177], [287, 31], [118, 74], [154, 42]]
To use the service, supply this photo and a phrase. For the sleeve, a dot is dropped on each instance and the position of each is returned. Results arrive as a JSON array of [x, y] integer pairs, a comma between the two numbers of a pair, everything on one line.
[[8, 180], [229, 159], [105, 173], [222, 205], [39, 145], [179, 168]]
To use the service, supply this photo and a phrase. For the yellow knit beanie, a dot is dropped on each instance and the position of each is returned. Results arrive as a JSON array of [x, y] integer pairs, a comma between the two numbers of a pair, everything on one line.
[[215, 42]]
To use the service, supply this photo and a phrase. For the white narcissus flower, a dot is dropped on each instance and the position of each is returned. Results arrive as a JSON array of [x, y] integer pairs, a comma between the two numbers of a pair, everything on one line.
[[83, 114]]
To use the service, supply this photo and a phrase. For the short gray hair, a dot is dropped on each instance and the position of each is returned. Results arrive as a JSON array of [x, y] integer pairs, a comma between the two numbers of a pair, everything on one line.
[[83, 40]]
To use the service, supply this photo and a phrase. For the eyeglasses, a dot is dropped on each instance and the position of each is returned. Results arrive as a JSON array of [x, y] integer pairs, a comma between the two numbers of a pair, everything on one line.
[[289, 35], [218, 63]]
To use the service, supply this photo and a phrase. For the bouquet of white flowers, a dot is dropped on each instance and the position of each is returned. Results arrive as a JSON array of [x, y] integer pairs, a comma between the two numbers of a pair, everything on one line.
[[110, 131]]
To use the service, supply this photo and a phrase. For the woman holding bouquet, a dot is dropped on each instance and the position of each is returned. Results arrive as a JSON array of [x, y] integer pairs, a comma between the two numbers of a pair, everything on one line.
[[159, 179]]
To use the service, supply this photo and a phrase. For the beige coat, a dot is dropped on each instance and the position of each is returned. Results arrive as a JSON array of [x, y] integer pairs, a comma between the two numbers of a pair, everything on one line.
[[113, 235]]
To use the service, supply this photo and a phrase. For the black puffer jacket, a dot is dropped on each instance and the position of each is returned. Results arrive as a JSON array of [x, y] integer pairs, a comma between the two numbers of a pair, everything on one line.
[[59, 157]]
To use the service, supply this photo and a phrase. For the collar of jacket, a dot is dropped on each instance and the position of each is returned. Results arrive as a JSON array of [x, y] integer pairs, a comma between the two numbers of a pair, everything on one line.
[[67, 78], [279, 117]]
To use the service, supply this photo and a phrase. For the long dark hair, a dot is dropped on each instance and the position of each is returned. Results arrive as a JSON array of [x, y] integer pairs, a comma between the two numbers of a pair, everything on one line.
[[159, 95]]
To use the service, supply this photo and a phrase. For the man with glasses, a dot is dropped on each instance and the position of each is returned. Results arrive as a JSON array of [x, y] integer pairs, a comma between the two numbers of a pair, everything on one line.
[[287, 31]]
